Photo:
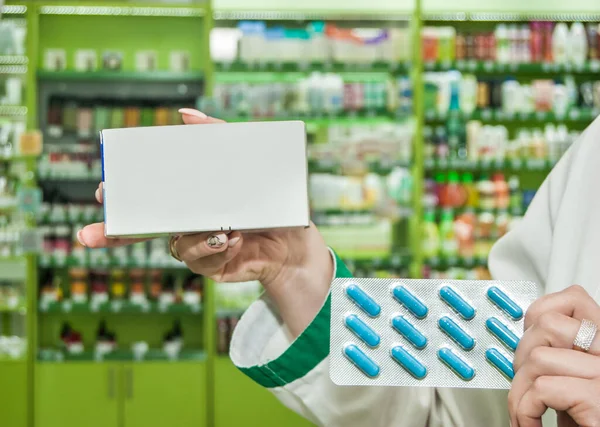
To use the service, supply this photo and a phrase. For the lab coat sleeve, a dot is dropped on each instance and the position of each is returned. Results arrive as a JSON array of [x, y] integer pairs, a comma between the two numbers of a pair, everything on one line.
[[297, 372]]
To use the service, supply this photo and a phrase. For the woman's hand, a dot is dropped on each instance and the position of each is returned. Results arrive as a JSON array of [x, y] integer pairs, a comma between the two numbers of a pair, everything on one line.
[[549, 373], [294, 266]]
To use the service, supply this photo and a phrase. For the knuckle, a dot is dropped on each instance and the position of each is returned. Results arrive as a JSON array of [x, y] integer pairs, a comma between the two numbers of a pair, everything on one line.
[[538, 355], [539, 385], [548, 321], [552, 326], [576, 289], [533, 312]]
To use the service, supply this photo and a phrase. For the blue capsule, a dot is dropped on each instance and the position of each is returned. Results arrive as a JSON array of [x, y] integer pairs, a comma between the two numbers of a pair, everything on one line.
[[410, 301], [361, 360], [458, 334], [500, 362], [501, 331], [456, 364], [505, 303], [408, 362], [457, 303], [362, 330], [408, 331], [362, 300]]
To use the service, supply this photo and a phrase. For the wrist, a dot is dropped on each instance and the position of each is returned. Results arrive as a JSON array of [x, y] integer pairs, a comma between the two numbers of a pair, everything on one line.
[[302, 284]]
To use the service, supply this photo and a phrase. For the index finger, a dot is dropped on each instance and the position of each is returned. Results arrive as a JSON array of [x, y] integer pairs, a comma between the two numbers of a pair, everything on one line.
[[574, 302], [92, 236]]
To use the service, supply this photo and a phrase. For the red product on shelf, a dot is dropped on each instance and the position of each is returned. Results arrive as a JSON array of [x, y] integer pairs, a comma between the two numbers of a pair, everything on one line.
[[464, 230], [491, 46], [547, 37], [440, 190], [536, 42], [543, 94], [502, 191], [454, 193], [430, 46], [480, 47], [85, 118]]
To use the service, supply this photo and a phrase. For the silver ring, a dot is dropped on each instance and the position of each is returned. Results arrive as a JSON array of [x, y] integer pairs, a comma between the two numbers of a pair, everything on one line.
[[585, 335]]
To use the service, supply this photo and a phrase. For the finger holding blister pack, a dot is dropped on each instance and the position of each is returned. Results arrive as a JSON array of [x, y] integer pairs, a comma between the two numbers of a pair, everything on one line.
[[431, 333]]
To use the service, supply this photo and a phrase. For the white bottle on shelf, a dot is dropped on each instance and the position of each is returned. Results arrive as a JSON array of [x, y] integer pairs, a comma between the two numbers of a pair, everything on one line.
[[560, 100], [468, 94], [473, 132], [514, 44], [578, 44], [502, 44], [552, 142], [528, 102], [319, 49], [511, 102], [524, 44], [560, 42]]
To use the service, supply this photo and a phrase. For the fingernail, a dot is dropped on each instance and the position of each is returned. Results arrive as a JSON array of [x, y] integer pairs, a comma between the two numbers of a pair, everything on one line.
[[216, 240], [233, 242], [97, 194], [80, 239], [192, 112]]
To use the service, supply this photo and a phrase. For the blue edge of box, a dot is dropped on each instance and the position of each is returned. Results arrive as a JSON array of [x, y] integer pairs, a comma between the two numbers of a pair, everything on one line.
[[102, 167]]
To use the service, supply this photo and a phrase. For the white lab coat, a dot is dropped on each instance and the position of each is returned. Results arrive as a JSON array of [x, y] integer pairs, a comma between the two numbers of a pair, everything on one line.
[[557, 244]]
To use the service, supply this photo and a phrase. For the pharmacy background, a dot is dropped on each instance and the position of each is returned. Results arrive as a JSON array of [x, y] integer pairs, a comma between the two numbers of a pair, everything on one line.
[[429, 129]]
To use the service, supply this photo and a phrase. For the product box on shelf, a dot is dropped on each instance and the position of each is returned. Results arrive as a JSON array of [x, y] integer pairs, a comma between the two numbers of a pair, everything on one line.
[[183, 179]]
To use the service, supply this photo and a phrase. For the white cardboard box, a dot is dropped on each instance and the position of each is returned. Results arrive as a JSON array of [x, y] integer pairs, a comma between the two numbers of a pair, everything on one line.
[[194, 178]]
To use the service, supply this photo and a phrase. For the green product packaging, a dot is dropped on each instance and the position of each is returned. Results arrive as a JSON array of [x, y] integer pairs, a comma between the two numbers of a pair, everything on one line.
[[431, 236], [101, 118], [117, 118], [70, 117], [469, 186], [449, 243], [147, 117]]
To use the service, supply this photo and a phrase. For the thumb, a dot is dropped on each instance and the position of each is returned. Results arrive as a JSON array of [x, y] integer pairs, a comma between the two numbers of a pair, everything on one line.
[[195, 117]]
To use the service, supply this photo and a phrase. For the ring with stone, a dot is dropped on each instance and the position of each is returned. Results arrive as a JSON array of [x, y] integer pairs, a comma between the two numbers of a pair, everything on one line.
[[585, 336]]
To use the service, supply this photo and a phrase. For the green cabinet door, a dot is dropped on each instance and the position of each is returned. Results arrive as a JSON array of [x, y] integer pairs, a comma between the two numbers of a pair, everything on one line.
[[239, 401], [159, 394], [76, 394], [13, 393]]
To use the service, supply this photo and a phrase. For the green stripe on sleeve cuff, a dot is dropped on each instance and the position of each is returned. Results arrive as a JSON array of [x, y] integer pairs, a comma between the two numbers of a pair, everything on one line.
[[305, 353]]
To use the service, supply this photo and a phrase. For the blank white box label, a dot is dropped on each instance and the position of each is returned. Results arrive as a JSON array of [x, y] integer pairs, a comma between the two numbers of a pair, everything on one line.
[[194, 178]]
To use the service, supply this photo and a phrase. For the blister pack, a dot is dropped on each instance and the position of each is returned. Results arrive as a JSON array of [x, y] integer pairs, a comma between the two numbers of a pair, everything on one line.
[[430, 333]]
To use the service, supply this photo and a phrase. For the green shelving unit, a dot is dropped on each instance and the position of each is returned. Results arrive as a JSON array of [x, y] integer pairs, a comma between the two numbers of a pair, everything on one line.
[[54, 388], [302, 69], [116, 76]]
